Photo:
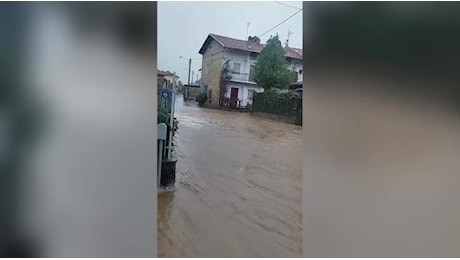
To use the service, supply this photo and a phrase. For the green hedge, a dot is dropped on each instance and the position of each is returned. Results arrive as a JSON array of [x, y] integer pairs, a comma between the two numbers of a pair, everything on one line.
[[283, 102]]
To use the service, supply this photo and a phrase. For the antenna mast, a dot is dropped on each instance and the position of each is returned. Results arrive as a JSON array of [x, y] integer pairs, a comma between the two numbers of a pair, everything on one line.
[[289, 35], [247, 30]]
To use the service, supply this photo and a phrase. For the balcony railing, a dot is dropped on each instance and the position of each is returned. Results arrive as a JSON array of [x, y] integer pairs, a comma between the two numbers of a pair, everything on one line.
[[249, 77], [241, 77]]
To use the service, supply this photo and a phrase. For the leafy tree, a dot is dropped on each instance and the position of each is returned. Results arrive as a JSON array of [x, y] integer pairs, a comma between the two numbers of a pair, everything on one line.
[[223, 84], [271, 69]]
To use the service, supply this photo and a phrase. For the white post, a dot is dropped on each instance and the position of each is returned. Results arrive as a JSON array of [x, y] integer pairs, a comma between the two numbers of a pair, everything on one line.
[[160, 157], [171, 123], [161, 132]]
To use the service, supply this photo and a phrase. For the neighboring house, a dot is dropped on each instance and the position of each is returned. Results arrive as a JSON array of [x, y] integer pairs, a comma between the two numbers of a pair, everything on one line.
[[167, 79], [241, 56]]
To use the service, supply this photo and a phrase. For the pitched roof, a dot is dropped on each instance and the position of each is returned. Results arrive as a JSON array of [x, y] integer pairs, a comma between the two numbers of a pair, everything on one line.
[[163, 73], [243, 45], [295, 53], [166, 73]]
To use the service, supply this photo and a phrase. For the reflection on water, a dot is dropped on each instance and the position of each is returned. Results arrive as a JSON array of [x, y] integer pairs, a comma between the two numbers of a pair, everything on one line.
[[238, 187]]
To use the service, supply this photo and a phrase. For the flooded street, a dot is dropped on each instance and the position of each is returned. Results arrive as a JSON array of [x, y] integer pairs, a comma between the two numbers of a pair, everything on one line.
[[238, 187]]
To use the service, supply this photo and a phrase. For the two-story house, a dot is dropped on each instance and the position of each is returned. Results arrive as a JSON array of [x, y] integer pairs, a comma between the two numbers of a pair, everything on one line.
[[240, 56]]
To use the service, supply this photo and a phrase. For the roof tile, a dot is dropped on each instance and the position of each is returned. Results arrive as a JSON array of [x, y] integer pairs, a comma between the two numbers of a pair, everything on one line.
[[243, 45]]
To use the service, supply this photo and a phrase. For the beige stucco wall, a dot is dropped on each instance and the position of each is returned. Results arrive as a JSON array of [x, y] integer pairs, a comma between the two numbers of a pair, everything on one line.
[[213, 59], [172, 79]]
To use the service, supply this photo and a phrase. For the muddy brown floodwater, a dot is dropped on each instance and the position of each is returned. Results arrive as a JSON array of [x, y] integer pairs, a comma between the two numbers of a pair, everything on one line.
[[238, 187]]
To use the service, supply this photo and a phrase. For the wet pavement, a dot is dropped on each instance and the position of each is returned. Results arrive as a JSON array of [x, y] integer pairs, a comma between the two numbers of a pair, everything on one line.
[[238, 187]]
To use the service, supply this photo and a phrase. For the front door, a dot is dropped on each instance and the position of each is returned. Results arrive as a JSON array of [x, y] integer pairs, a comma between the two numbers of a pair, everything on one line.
[[233, 97]]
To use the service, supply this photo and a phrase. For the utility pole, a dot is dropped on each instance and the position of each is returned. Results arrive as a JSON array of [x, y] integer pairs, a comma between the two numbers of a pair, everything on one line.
[[189, 67], [193, 73], [174, 81], [186, 90]]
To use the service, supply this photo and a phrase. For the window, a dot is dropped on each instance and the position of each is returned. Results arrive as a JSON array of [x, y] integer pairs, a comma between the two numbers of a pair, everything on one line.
[[251, 73], [236, 67], [250, 93], [300, 72], [253, 55]]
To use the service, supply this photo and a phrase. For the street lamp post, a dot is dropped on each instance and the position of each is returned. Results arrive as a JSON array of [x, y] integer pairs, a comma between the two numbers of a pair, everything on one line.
[[200, 79], [189, 68]]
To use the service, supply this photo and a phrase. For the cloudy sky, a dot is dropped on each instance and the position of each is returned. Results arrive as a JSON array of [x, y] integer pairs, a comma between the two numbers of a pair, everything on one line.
[[183, 27]]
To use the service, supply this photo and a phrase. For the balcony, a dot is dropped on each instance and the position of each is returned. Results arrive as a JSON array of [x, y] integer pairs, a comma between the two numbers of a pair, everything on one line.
[[244, 77]]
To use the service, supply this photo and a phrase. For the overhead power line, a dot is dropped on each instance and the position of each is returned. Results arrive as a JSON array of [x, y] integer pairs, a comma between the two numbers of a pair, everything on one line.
[[295, 7], [281, 23]]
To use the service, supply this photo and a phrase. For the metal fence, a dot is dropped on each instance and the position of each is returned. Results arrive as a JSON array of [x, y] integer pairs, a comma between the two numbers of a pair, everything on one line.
[[165, 97]]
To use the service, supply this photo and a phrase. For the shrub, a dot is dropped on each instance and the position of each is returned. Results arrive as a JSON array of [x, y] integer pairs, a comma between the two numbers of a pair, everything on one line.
[[201, 99], [163, 116]]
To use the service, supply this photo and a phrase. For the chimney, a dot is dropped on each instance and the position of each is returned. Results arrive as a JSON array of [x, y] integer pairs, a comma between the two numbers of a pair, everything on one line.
[[253, 39]]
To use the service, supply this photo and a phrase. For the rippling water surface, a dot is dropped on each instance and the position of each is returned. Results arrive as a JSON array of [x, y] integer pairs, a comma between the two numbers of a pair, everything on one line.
[[238, 187]]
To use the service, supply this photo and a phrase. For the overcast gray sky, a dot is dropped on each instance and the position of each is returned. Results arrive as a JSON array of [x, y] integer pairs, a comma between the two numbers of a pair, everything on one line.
[[183, 27]]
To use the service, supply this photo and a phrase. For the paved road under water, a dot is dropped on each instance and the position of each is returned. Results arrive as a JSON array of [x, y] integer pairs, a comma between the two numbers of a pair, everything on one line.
[[238, 188]]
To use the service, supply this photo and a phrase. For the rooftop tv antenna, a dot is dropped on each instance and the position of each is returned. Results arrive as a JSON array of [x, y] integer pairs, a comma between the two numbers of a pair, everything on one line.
[[247, 30], [289, 35]]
